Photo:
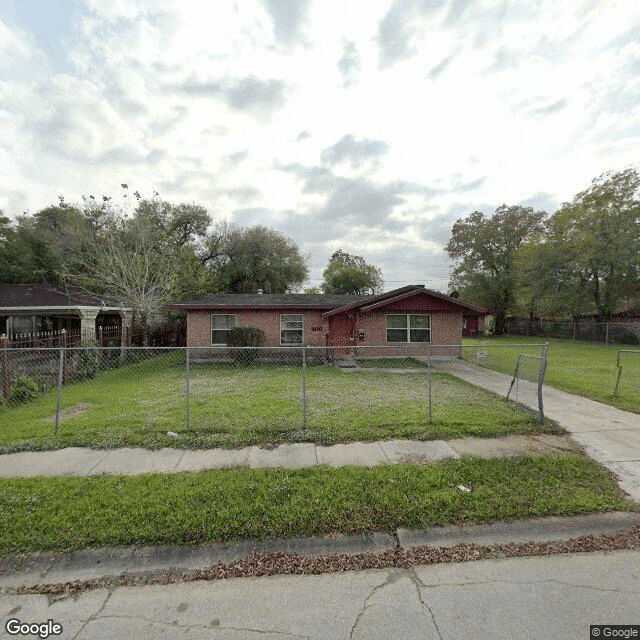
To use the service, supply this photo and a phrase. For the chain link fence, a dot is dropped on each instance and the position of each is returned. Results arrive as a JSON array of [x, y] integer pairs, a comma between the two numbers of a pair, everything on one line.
[[522, 367], [623, 333], [222, 396], [628, 372]]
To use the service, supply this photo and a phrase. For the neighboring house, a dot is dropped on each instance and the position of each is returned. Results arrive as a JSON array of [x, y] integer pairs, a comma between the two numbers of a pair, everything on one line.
[[405, 316], [32, 309]]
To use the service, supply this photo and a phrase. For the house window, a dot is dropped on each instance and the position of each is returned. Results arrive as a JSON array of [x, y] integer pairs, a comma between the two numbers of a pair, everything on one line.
[[291, 329], [408, 328], [220, 325]]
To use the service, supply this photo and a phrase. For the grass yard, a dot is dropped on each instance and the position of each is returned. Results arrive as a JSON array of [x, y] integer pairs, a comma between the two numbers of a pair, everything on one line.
[[584, 368], [68, 513], [231, 406]]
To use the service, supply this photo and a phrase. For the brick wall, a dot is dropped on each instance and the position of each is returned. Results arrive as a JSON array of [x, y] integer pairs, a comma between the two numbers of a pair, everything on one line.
[[446, 327], [199, 325]]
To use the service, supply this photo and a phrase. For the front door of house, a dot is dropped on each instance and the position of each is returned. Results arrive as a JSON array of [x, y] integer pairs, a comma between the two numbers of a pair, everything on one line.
[[339, 334]]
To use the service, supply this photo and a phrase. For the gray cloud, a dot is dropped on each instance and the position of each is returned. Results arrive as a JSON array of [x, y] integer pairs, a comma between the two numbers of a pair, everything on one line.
[[356, 152], [315, 179], [549, 109], [542, 201], [288, 19], [465, 187], [237, 157], [394, 35], [204, 88], [489, 25], [399, 27], [350, 202], [349, 64], [438, 229], [437, 71], [243, 194], [359, 201], [540, 106], [504, 59], [251, 95], [455, 11], [124, 155], [251, 216], [303, 135]]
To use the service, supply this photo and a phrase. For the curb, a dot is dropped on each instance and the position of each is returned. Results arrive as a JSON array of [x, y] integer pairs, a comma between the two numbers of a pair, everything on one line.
[[92, 564]]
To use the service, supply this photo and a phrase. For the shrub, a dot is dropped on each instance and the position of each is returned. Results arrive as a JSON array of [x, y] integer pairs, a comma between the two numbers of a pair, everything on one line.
[[87, 364], [245, 337], [24, 390], [629, 338]]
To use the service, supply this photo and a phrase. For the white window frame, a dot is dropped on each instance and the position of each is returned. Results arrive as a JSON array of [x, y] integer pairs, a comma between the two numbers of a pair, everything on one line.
[[407, 328], [284, 328], [233, 324]]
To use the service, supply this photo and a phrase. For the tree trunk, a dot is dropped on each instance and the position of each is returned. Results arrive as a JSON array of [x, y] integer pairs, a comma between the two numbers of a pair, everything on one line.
[[500, 322]]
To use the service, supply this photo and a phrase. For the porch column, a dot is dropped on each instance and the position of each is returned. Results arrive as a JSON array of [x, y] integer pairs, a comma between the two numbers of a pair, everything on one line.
[[88, 317], [127, 318]]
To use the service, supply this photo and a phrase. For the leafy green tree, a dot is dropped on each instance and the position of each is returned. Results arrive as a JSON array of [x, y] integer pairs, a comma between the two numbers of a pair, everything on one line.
[[143, 259], [483, 251], [588, 258], [348, 274], [243, 260]]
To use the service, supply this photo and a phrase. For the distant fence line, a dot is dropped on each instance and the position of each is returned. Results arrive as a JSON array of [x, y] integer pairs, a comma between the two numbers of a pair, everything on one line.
[[103, 336], [607, 332]]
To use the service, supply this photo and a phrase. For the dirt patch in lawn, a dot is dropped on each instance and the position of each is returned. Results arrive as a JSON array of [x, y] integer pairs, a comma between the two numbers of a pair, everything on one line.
[[71, 411]]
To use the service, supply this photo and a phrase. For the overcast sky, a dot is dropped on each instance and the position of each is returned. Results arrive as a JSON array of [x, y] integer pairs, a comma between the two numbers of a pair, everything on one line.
[[365, 125]]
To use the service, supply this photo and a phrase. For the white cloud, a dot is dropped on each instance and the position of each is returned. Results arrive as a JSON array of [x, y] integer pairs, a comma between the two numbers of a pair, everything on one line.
[[394, 117]]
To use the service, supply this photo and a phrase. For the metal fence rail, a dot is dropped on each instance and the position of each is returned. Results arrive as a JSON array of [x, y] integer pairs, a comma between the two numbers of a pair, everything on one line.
[[633, 372], [621, 332], [309, 393]]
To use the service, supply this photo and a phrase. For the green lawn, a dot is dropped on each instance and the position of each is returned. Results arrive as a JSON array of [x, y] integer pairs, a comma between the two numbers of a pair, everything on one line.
[[136, 405], [68, 513], [580, 367]]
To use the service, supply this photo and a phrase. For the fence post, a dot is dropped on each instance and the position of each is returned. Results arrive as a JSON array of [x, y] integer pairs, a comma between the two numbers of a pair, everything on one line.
[[430, 381], [59, 389], [5, 360], [541, 375], [186, 384], [606, 334], [304, 389]]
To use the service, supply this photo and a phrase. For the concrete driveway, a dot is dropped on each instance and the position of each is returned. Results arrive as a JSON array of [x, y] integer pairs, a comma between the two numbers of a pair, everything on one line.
[[610, 436]]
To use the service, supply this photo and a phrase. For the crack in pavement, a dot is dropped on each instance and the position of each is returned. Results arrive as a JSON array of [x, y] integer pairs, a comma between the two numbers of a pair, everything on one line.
[[184, 453], [94, 615], [176, 625], [470, 583], [390, 579], [88, 473], [417, 583]]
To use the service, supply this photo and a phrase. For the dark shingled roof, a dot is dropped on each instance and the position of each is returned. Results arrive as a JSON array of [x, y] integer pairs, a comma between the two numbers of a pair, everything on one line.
[[330, 304], [269, 300], [42, 295]]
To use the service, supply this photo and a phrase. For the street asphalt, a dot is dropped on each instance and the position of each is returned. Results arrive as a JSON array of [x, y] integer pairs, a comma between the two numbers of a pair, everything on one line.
[[530, 598]]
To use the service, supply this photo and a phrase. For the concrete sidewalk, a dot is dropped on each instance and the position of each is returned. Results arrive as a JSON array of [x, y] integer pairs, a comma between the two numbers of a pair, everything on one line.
[[608, 435], [91, 462]]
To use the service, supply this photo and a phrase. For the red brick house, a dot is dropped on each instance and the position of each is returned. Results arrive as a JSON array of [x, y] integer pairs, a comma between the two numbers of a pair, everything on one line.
[[404, 316]]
